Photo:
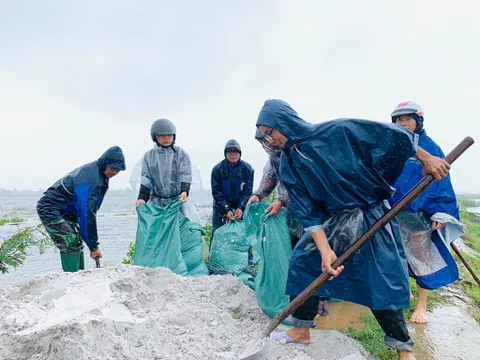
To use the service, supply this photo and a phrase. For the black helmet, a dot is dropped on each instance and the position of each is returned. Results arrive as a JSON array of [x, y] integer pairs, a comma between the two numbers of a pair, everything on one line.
[[162, 127]]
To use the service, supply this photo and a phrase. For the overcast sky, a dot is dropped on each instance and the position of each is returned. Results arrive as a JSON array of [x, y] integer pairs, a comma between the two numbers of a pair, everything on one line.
[[77, 77]]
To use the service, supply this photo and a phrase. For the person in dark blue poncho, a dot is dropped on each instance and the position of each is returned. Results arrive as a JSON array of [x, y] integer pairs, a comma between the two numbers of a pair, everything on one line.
[[431, 221], [338, 175], [232, 185]]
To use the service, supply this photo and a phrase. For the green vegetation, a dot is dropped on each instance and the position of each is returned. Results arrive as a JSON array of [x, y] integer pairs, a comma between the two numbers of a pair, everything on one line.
[[129, 257], [471, 224], [208, 233], [370, 334], [13, 251], [14, 220]]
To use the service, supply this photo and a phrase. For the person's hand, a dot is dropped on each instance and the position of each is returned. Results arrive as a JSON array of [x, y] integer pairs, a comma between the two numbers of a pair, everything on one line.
[[328, 258], [437, 225], [436, 167], [96, 254], [328, 255], [238, 214], [183, 196], [139, 202], [230, 216], [274, 208], [253, 199], [432, 165]]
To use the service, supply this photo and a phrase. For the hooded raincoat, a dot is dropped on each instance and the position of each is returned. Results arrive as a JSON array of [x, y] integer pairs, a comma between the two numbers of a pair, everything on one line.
[[338, 175], [428, 255], [79, 194]]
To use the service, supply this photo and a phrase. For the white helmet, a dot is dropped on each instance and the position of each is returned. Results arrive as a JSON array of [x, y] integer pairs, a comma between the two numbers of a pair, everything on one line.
[[406, 108]]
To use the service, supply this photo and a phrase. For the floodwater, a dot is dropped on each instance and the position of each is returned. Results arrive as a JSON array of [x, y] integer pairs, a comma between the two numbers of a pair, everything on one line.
[[450, 334], [117, 227]]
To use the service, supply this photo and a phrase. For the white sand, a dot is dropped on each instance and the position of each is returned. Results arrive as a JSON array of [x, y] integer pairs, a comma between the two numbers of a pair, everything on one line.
[[127, 312]]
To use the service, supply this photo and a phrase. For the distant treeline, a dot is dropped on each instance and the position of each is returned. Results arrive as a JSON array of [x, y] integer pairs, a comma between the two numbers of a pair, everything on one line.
[[37, 193]]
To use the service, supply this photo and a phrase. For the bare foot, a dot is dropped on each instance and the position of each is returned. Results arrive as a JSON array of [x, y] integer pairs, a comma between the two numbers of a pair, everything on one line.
[[299, 335], [405, 355], [419, 316]]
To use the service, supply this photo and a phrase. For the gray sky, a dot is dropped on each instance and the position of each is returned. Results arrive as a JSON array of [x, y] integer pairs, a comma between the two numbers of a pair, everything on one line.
[[77, 77]]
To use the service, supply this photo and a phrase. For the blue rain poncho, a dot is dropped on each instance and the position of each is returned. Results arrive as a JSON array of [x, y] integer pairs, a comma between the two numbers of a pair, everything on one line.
[[427, 251], [338, 175]]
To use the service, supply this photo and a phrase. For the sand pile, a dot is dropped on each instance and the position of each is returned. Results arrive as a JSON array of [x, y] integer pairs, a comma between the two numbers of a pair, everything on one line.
[[127, 312]]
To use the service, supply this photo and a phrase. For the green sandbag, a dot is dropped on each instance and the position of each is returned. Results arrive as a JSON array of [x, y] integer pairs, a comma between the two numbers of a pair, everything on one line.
[[229, 251], [158, 238], [270, 237], [191, 236]]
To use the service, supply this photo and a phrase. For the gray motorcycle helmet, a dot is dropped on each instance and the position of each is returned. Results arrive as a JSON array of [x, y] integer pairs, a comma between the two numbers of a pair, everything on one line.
[[163, 127]]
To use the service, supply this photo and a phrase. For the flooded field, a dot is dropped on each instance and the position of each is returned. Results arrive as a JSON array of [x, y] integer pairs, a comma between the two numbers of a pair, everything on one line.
[[117, 226]]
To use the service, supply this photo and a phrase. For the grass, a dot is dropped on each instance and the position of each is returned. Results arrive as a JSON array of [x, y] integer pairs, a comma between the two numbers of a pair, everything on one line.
[[471, 224], [368, 332], [370, 335], [471, 237], [11, 220], [471, 288], [208, 233]]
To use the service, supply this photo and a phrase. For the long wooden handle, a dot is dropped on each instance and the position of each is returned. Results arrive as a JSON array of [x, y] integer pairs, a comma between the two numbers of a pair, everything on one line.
[[464, 261], [385, 219]]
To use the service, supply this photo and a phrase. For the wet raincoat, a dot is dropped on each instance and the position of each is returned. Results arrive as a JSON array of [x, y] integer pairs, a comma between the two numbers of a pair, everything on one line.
[[79, 194], [231, 186], [270, 180], [167, 172], [339, 173], [427, 251]]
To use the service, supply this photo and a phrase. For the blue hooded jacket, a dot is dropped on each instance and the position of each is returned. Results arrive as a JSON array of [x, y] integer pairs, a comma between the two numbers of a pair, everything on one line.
[[439, 197], [231, 186], [341, 165], [79, 194]]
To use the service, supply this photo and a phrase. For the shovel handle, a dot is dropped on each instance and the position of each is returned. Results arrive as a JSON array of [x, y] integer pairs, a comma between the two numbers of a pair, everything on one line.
[[384, 220], [97, 262], [465, 262]]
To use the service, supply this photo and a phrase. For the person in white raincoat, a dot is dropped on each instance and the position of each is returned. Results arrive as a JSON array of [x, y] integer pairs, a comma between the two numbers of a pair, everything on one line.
[[166, 170]]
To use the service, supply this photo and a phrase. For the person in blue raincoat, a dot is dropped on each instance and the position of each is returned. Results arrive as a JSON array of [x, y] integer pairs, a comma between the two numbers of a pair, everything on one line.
[[232, 185], [431, 221], [68, 208], [339, 175]]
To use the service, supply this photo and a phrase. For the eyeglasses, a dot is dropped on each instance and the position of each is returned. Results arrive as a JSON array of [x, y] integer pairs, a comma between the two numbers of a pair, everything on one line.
[[267, 138]]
